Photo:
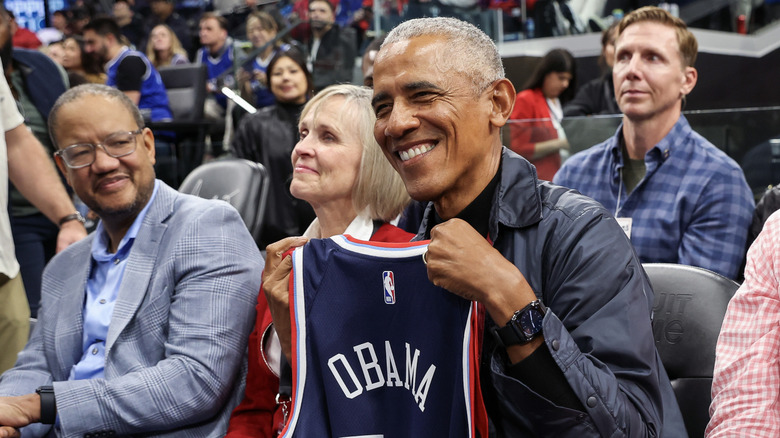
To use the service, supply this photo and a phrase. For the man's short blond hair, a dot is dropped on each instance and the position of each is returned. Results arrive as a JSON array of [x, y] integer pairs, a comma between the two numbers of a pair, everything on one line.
[[686, 42]]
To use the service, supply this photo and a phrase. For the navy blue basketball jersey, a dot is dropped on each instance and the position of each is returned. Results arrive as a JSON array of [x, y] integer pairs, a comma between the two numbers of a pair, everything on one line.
[[216, 66], [378, 350], [153, 94]]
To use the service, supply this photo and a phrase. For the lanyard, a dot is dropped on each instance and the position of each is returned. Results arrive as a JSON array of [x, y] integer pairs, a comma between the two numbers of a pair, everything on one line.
[[620, 192]]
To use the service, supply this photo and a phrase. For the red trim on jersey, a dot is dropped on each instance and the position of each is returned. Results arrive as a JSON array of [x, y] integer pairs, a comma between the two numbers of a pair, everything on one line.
[[388, 244]]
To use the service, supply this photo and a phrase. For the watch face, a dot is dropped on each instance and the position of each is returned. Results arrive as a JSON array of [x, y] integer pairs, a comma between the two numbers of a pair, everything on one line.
[[531, 322]]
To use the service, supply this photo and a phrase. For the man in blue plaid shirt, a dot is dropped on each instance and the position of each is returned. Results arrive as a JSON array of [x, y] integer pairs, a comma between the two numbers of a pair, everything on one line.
[[678, 198]]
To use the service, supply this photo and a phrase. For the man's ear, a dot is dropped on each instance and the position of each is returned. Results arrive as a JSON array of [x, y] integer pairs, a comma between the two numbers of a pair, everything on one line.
[[502, 98], [689, 81], [148, 138], [63, 168]]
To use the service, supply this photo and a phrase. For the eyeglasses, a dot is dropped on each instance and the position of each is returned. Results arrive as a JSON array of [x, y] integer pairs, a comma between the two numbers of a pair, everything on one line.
[[115, 145]]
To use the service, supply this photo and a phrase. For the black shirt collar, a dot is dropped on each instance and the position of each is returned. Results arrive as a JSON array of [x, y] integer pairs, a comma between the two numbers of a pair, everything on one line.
[[477, 213]]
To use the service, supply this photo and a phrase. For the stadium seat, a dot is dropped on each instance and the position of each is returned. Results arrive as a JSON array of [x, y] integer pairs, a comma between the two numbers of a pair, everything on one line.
[[242, 183], [690, 303], [186, 89]]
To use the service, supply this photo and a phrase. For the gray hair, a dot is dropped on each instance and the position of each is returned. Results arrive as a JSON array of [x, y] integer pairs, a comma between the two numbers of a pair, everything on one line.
[[84, 90], [378, 186], [478, 56]]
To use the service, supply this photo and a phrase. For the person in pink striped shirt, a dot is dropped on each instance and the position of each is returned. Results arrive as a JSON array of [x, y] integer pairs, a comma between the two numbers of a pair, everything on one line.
[[746, 384]]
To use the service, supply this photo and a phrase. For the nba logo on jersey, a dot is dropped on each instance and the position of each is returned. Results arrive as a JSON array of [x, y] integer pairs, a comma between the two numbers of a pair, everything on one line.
[[389, 285]]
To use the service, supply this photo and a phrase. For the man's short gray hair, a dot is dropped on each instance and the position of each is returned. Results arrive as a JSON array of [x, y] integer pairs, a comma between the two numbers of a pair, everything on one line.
[[84, 90], [477, 55]]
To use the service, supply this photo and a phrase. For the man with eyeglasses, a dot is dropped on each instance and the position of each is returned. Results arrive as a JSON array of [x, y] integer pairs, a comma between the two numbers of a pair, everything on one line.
[[144, 324]]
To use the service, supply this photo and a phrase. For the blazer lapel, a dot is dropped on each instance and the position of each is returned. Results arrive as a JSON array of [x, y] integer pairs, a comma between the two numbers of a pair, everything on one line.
[[140, 263], [69, 326]]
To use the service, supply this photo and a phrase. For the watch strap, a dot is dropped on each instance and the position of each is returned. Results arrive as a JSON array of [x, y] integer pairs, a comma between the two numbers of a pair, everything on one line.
[[75, 216], [48, 404]]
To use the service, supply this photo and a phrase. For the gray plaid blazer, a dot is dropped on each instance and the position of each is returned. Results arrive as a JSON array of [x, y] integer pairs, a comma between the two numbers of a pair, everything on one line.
[[176, 347]]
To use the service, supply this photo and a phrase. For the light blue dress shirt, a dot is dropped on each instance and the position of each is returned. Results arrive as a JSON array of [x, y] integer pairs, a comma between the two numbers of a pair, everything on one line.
[[103, 286]]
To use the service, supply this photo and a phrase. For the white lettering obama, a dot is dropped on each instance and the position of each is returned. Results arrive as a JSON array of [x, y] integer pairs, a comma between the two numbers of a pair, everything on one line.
[[375, 378]]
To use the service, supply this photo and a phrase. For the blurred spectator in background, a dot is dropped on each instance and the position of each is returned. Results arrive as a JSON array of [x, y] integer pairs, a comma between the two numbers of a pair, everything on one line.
[[679, 198], [36, 82], [164, 48], [59, 21], [261, 29], [22, 37], [369, 56], [131, 25], [269, 136], [332, 48], [217, 54], [79, 17], [598, 95], [555, 18], [49, 35], [55, 51], [346, 11], [163, 13], [127, 70], [536, 131], [78, 62]]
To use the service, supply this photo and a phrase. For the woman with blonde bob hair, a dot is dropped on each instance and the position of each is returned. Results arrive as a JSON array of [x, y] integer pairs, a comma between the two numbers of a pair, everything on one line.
[[342, 173], [377, 192]]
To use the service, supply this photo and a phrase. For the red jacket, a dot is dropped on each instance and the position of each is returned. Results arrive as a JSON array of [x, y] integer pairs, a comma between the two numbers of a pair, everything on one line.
[[532, 123], [258, 415], [25, 39]]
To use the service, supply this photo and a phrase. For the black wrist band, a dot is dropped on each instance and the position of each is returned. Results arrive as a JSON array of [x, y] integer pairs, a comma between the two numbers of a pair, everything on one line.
[[72, 217], [48, 404]]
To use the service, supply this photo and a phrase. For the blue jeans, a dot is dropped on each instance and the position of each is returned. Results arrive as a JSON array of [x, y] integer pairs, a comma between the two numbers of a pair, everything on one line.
[[35, 239]]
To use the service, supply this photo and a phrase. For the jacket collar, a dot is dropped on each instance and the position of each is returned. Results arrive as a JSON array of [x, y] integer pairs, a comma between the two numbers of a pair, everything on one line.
[[141, 262], [665, 149], [517, 202]]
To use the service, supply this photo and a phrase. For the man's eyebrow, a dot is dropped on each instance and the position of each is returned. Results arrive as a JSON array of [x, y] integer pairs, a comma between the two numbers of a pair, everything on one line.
[[420, 85], [379, 97], [412, 86]]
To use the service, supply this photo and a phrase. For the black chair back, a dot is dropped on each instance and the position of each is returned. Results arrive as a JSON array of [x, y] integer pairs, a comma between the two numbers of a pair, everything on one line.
[[690, 303], [242, 183], [186, 89]]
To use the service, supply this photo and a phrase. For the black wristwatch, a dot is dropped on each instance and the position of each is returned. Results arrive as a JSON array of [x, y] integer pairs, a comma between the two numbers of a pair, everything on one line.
[[48, 404], [525, 325]]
